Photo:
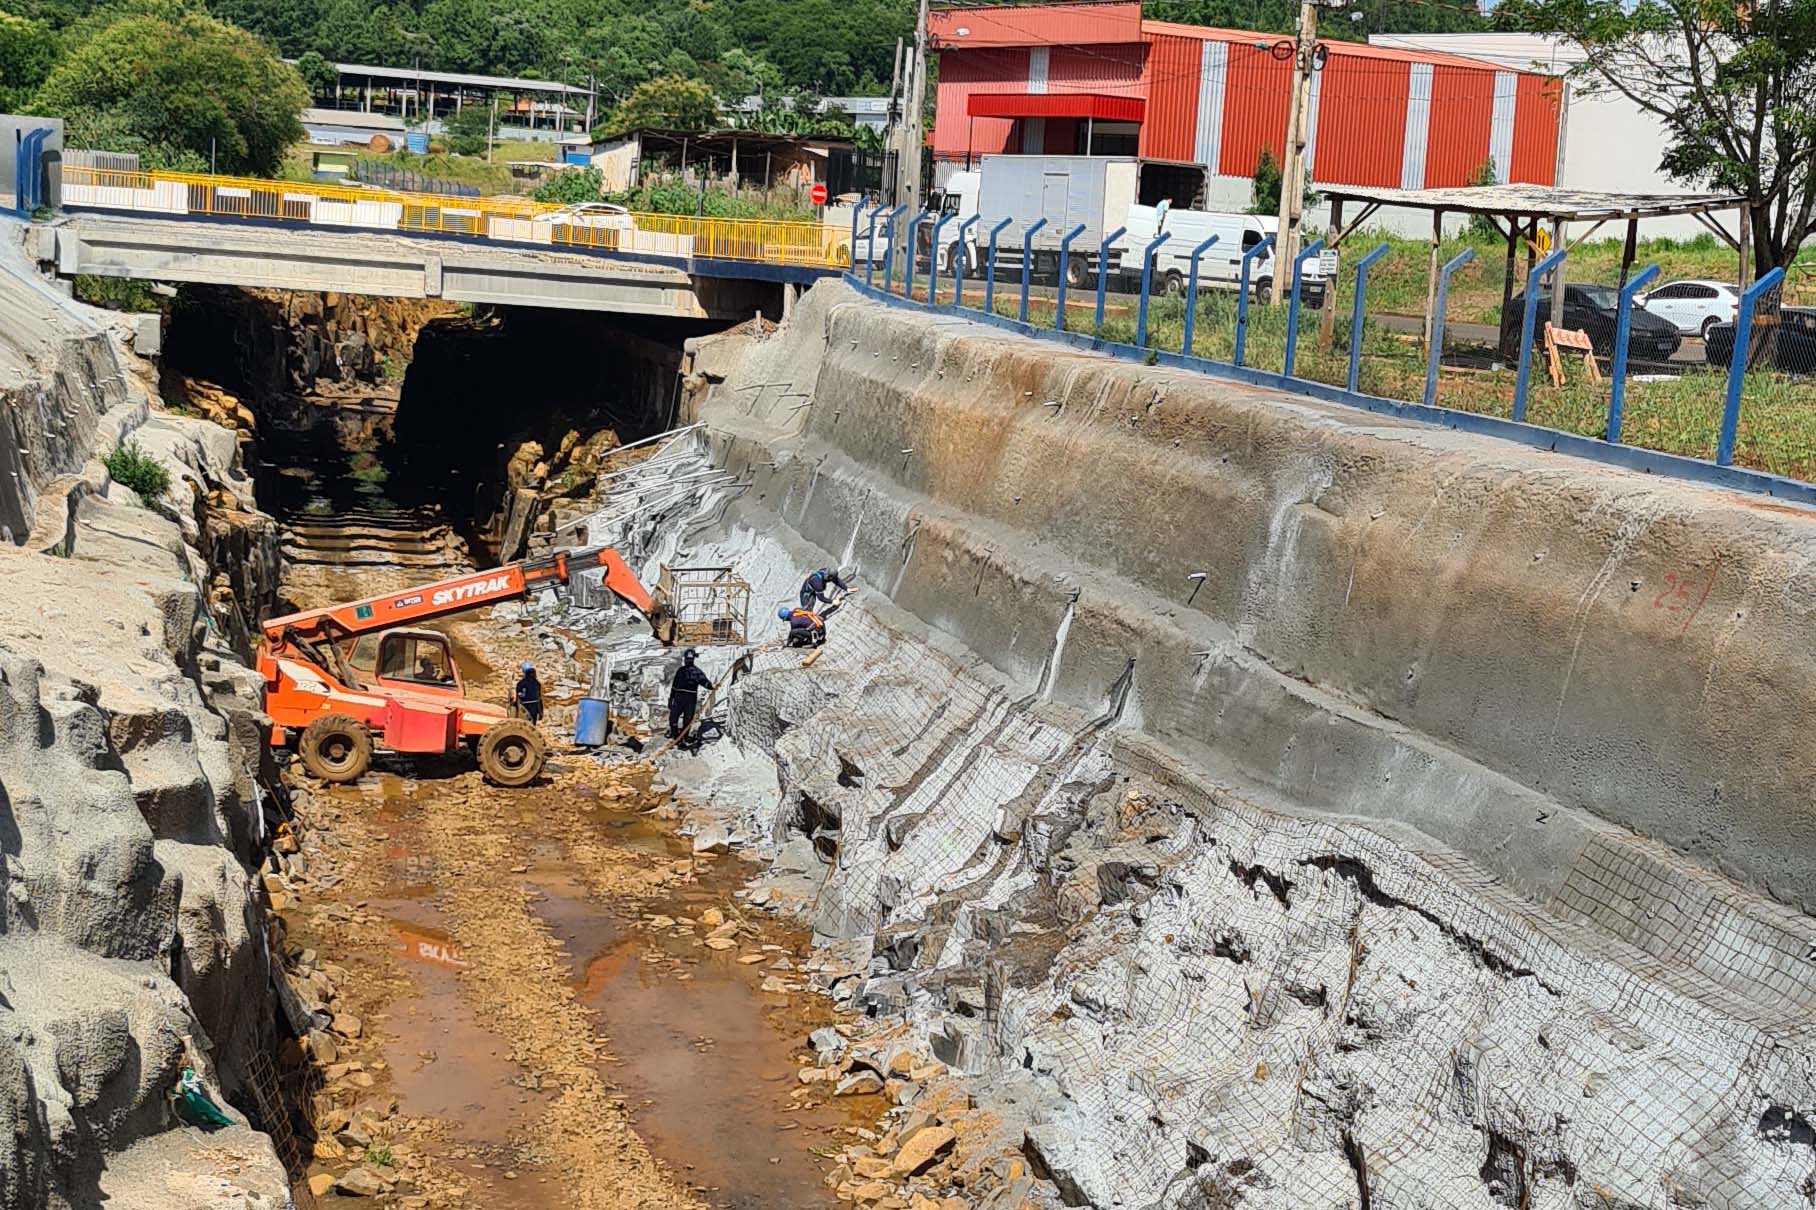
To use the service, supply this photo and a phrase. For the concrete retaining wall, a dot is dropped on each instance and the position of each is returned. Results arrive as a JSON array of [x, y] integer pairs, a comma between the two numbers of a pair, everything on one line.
[[1393, 621]]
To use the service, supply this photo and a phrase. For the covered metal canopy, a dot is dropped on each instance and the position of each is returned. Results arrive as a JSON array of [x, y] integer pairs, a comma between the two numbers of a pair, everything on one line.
[[1517, 212]]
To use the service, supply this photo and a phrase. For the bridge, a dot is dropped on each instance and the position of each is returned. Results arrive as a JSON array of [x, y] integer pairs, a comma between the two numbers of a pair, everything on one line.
[[284, 235]]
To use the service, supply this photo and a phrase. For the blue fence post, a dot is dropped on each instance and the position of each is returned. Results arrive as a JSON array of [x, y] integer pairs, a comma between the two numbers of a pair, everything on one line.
[[1737, 368], [1065, 248], [958, 263], [1292, 306], [889, 241], [1147, 282], [1623, 335], [914, 235], [990, 279], [857, 208], [1242, 297], [869, 248], [1355, 317], [1028, 262], [933, 260], [1191, 295], [1103, 271], [1523, 379], [1437, 321]]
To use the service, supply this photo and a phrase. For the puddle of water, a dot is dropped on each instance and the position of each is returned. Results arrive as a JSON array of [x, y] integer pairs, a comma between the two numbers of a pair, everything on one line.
[[706, 1062]]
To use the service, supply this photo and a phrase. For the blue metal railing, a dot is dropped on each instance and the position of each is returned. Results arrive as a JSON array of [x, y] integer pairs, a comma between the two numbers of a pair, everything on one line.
[[1028, 263], [1103, 269], [1623, 336], [1737, 365], [1292, 306], [1437, 321], [1147, 283], [933, 259], [1242, 296], [990, 273], [1191, 295], [1524, 378], [914, 240], [958, 262], [1355, 317], [1065, 258]]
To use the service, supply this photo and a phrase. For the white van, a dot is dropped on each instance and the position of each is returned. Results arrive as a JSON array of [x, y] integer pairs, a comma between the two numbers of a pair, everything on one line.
[[1220, 268]]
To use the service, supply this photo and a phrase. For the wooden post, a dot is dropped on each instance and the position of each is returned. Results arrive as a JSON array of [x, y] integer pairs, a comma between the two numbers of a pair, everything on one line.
[[1532, 249], [1557, 275], [1513, 249], [1327, 319], [1628, 249], [1431, 279], [1744, 235]]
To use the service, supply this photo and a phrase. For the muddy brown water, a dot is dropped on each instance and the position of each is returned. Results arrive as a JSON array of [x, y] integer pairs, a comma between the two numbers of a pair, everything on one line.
[[705, 1059]]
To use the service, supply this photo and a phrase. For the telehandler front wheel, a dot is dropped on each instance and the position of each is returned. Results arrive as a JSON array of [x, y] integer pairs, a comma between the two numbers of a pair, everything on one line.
[[336, 748], [511, 753]]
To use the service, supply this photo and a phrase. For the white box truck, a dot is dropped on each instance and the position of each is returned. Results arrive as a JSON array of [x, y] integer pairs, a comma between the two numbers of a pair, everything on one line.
[[1220, 268], [1069, 191]]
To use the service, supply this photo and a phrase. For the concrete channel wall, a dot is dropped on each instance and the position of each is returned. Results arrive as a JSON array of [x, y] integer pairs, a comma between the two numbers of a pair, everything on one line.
[[1297, 886], [1346, 613]]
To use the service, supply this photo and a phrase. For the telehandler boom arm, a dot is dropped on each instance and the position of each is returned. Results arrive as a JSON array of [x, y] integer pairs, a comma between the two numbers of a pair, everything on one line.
[[511, 582]]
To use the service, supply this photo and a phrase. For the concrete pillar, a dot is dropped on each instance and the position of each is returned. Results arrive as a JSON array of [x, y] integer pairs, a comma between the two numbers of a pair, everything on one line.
[[788, 300]]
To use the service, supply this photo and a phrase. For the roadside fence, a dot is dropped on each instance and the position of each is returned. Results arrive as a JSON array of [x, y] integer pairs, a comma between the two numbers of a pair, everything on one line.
[[1733, 386], [390, 176]]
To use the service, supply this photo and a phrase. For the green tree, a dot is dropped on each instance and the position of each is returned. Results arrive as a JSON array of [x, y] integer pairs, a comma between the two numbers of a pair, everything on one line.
[[667, 103], [578, 185], [1268, 178], [179, 83], [317, 73], [1734, 87], [27, 51], [468, 130]]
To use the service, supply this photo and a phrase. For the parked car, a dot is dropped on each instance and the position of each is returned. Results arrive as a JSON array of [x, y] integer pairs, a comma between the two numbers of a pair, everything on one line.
[[1593, 309], [1694, 306], [1794, 351], [592, 214]]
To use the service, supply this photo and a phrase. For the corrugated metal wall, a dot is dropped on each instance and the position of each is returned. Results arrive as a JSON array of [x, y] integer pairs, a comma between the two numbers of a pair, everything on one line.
[[1462, 120], [1361, 123], [1170, 128], [1537, 103], [961, 75], [1254, 107], [1112, 70]]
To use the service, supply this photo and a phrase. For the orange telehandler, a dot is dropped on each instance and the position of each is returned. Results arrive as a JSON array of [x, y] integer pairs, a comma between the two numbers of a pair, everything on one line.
[[340, 678]]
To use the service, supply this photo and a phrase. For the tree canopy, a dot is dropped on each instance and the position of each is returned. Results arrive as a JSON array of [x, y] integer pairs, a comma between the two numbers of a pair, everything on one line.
[[1734, 87], [175, 85]]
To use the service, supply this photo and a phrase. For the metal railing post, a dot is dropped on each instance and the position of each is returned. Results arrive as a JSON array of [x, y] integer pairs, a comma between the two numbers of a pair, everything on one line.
[[870, 247], [1028, 262], [1623, 336], [958, 263], [893, 218], [1737, 367], [1147, 281], [1355, 318], [914, 235], [933, 261], [1523, 380], [1191, 296], [990, 281], [857, 208], [1065, 249], [1292, 306], [1103, 271], [1437, 321], [1242, 297]]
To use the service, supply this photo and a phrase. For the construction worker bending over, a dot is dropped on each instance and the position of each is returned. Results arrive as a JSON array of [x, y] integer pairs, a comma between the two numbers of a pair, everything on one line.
[[529, 693], [813, 588], [684, 694], [805, 628]]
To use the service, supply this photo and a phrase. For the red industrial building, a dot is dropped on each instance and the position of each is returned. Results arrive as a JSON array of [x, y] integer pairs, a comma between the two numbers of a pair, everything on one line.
[[1096, 78]]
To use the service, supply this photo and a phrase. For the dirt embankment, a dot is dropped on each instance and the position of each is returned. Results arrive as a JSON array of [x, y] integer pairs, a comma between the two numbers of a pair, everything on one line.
[[133, 948]]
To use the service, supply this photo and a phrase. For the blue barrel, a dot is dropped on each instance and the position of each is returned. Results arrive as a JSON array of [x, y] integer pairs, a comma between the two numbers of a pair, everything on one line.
[[592, 723], [417, 141]]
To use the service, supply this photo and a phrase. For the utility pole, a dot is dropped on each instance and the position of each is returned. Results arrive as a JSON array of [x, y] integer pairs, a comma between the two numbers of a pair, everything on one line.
[[1292, 167], [892, 127], [913, 139]]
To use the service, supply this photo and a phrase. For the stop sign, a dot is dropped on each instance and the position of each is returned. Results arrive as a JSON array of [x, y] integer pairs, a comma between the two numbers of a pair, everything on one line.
[[818, 193]]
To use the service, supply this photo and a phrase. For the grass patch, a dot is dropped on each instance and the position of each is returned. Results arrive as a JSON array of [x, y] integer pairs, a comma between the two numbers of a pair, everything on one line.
[[131, 467], [116, 293], [380, 1154], [366, 469]]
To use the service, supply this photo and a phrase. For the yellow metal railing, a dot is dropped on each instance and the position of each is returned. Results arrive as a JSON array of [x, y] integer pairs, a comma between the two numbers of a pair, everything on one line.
[[504, 219]]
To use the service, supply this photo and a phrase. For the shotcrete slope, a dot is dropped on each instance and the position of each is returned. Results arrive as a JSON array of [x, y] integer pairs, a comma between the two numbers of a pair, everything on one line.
[[1319, 872]]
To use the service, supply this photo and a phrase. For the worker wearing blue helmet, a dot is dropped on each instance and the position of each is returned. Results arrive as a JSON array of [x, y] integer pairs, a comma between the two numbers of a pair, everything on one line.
[[805, 628]]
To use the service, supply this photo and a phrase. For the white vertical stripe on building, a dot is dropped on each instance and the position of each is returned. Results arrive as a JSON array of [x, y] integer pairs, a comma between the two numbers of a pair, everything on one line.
[[1034, 136], [1213, 76], [1500, 138], [1311, 125], [1037, 70], [1418, 125]]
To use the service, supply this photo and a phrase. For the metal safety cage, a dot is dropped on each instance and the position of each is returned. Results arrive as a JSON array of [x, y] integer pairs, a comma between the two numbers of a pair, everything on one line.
[[702, 606]]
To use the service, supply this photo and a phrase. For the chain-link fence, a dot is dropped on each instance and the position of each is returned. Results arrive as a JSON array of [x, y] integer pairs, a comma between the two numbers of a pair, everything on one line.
[[1645, 361]]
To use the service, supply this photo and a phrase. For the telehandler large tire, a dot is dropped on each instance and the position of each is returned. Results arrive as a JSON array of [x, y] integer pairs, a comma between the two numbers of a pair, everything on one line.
[[336, 748], [511, 753]]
